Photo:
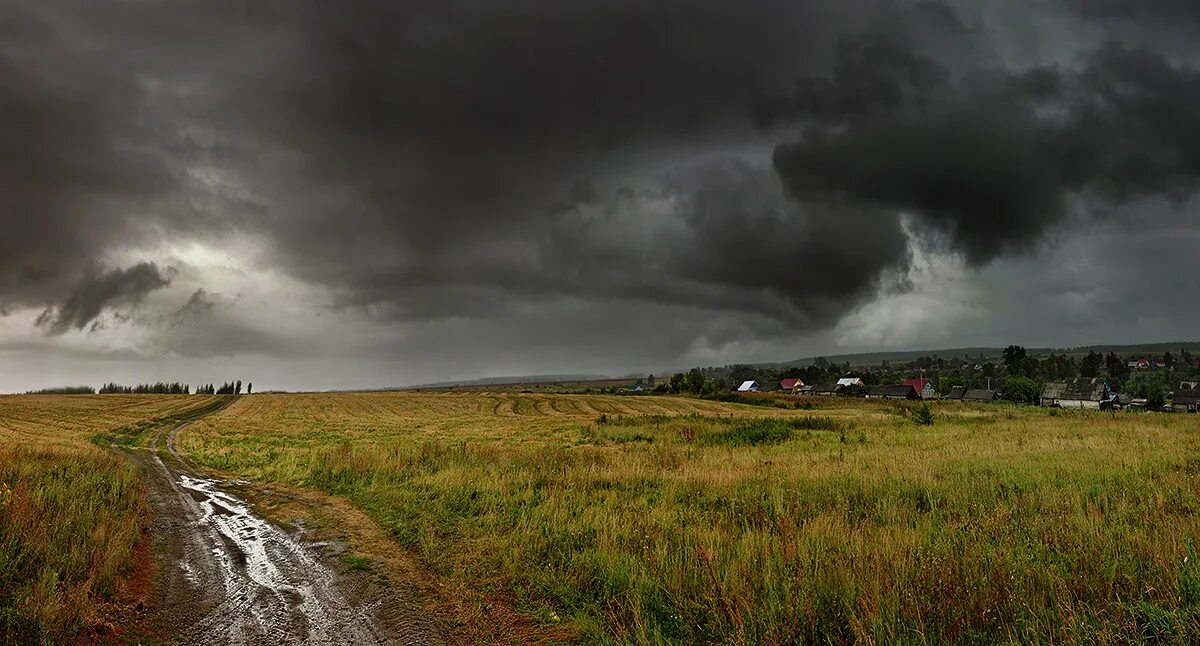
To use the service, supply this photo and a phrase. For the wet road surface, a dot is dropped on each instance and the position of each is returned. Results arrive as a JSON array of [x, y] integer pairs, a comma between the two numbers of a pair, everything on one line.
[[229, 577]]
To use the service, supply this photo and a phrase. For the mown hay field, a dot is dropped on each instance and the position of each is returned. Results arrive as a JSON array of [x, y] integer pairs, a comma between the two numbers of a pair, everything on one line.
[[71, 513], [675, 520]]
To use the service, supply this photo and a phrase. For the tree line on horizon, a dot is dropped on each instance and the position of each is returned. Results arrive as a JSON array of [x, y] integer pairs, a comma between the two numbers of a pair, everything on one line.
[[227, 388], [1017, 375], [64, 390], [158, 388]]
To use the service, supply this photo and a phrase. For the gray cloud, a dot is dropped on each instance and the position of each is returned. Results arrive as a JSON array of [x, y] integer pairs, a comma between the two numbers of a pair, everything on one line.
[[464, 162], [1155, 11], [198, 304], [78, 151], [994, 160], [100, 290]]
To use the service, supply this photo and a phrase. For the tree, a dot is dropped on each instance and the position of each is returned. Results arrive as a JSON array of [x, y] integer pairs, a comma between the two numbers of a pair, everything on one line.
[[237, 390], [923, 416], [1014, 357], [944, 384], [1156, 398], [250, 386], [855, 391], [649, 384], [693, 381], [1030, 367], [711, 387], [1151, 386], [1022, 390], [1186, 357], [1168, 361], [742, 372], [1089, 367], [1117, 370]]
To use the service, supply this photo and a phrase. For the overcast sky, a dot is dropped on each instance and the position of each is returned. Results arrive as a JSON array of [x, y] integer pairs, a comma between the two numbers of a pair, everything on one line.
[[370, 193]]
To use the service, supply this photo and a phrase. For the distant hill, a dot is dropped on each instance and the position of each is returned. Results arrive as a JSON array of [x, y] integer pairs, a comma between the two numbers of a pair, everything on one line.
[[506, 381], [871, 358], [856, 359]]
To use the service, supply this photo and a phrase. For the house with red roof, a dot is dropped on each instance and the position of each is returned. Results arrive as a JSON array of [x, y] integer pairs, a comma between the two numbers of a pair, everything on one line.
[[790, 384], [923, 386]]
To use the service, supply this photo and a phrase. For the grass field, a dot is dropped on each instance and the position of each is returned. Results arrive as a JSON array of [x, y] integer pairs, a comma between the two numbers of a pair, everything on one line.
[[71, 513], [672, 520]]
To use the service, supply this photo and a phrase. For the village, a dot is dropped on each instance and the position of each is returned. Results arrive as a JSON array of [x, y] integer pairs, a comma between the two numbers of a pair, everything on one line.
[[1079, 393], [1167, 383]]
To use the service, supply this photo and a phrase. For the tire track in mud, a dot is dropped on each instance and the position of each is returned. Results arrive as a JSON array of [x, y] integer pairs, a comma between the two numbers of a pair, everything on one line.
[[230, 577]]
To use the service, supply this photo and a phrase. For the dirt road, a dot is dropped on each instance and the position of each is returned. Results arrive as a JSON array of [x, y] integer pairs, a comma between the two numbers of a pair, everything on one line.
[[229, 577]]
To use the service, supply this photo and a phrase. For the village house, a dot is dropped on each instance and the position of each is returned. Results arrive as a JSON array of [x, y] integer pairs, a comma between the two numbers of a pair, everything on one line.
[[980, 395], [790, 384], [1186, 401], [1089, 394], [956, 392], [893, 391], [846, 382], [924, 387], [748, 387], [825, 390]]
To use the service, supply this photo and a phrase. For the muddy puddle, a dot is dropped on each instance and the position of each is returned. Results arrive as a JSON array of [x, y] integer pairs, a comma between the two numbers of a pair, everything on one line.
[[275, 588], [228, 576]]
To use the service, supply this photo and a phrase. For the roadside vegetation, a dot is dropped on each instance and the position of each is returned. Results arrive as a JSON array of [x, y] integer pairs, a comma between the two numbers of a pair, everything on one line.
[[71, 513], [680, 520]]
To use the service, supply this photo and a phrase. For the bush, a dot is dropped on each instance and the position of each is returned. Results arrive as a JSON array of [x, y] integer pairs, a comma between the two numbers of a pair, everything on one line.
[[1022, 390], [753, 432], [923, 416], [734, 398]]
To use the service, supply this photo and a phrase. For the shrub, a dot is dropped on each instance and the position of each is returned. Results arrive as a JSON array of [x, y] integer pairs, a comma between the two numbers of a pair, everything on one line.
[[734, 398], [753, 432], [923, 416]]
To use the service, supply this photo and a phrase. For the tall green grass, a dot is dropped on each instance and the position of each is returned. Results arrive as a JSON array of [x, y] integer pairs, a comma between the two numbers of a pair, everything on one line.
[[69, 521], [992, 525]]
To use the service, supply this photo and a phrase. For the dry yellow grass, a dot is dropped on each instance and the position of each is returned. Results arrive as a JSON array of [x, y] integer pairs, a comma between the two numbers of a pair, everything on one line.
[[70, 421], [71, 512], [845, 523]]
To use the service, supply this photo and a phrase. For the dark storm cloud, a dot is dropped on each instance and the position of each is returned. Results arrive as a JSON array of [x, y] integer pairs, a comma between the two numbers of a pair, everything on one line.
[[454, 159], [100, 290], [477, 144], [993, 160], [726, 237], [75, 149], [1141, 10], [396, 152], [197, 305]]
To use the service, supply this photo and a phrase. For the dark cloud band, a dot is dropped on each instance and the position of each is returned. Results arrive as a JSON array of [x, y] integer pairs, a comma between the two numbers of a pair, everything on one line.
[[101, 290]]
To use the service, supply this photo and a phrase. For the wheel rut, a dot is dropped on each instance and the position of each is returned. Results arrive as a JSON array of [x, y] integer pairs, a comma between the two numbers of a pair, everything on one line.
[[227, 576]]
